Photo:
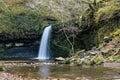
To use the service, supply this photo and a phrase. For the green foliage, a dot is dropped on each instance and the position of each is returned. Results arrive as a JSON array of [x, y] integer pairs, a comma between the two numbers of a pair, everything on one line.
[[21, 16], [16, 18], [116, 58], [109, 29], [111, 9], [57, 46], [37, 27]]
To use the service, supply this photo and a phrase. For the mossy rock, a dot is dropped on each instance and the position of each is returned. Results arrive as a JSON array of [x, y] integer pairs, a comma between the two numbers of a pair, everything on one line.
[[87, 62], [2, 69], [107, 39], [60, 59], [67, 61], [110, 52], [98, 59], [114, 58], [79, 62]]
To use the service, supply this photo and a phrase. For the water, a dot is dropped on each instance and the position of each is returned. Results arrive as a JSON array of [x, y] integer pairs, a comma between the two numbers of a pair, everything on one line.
[[44, 49], [43, 71]]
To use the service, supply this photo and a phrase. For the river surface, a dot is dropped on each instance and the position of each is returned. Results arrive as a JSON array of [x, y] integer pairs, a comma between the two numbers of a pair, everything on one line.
[[42, 71]]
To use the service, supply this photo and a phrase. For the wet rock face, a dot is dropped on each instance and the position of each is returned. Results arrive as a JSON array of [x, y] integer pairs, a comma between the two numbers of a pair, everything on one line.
[[19, 53], [26, 38]]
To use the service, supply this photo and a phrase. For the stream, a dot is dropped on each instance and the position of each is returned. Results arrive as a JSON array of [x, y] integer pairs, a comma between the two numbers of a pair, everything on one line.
[[42, 71]]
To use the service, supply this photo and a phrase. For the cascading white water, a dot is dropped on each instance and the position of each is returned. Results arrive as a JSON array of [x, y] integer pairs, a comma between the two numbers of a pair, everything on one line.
[[44, 44]]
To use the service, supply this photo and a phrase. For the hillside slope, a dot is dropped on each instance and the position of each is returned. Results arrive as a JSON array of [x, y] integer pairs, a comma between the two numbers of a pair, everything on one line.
[[78, 24]]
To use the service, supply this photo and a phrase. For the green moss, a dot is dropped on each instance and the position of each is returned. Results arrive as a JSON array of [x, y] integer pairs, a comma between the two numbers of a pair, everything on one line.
[[87, 61], [114, 58], [98, 59], [18, 18], [67, 61], [108, 11]]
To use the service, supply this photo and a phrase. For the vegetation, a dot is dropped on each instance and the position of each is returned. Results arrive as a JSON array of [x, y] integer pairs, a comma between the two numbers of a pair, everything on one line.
[[77, 24]]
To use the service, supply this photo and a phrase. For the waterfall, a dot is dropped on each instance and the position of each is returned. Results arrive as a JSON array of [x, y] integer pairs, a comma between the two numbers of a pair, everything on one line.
[[44, 49]]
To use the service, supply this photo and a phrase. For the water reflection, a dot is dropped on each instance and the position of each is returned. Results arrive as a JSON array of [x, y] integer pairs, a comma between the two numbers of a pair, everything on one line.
[[44, 71], [73, 72]]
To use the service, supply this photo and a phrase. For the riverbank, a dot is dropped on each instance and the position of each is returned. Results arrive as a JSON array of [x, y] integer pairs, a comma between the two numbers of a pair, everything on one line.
[[8, 76], [108, 52], [112, 65], [4, 64]]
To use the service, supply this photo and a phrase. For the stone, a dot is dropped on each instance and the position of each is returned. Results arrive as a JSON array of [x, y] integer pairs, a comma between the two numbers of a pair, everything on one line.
[[78, 78], [94, 49], [107, 39], [98, 59], [92, 53], [116, 79], [34, 79], [55, 79], [62, 79], [60, 59]]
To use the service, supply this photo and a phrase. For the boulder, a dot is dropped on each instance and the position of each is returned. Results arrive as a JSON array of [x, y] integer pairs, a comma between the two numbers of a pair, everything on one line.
[[60, 59], [107, 39]]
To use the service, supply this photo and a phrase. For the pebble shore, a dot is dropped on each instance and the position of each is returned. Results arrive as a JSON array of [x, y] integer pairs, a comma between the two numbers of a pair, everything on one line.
[[8, 76]]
